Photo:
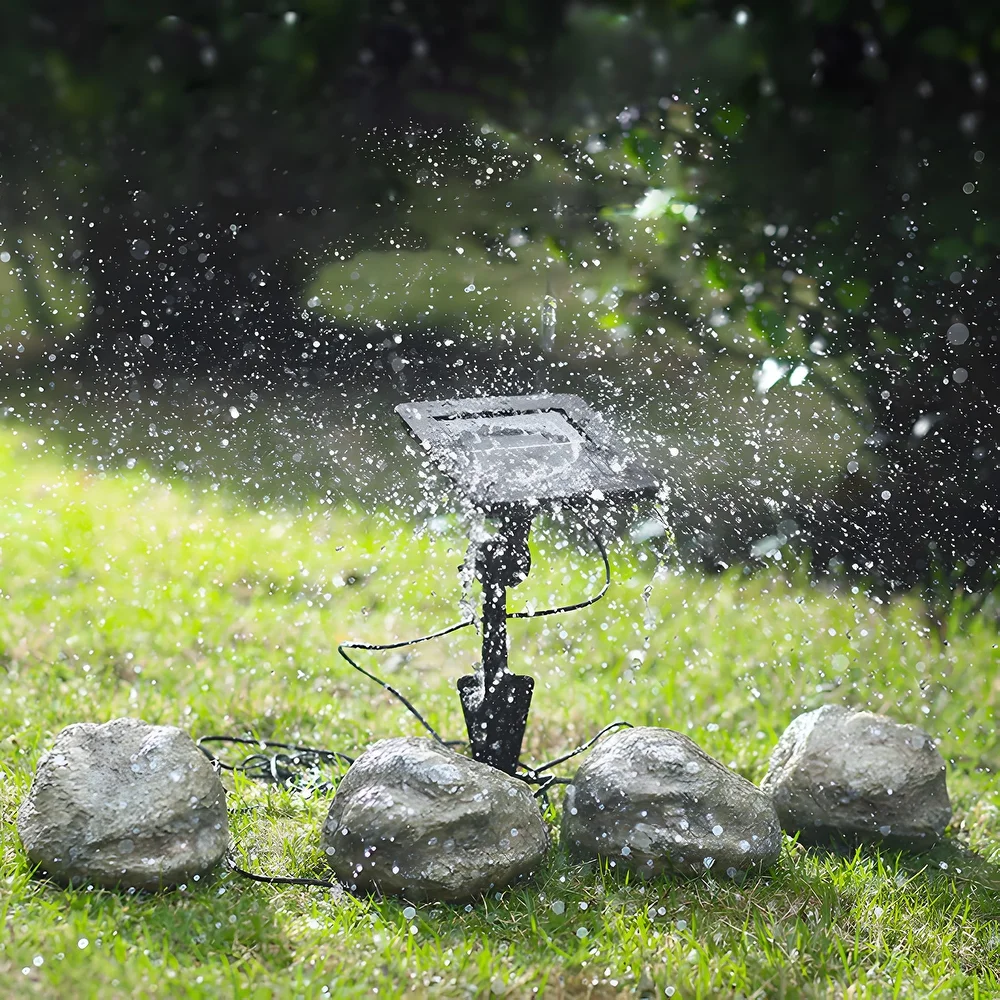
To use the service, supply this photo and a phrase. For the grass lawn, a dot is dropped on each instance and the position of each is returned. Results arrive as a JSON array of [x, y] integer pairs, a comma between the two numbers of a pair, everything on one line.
[[121, 595]]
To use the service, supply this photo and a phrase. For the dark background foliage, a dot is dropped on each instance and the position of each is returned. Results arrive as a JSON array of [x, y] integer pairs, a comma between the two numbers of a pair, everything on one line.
[[824, 195]]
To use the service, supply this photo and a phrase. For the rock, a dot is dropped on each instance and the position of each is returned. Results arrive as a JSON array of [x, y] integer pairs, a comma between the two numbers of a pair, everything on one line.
[[416, 819], [651, 801], [124, 804], [840, 776]]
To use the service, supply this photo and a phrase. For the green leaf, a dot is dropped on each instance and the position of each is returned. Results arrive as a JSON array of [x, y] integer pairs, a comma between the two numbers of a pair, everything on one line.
[[729, 121], [894, 17], [853, 293], [828, 10], [714, 275], [948, 252], [765, 320], [940, 42], [642, 149]]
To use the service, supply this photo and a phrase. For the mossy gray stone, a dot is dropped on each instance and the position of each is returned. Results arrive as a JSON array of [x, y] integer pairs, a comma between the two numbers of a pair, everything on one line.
[[841, 776], [124, 804], [650, 800], [414, 818]]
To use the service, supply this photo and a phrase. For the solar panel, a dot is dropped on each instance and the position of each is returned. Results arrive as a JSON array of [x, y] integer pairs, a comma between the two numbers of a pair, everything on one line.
[[526, 451]]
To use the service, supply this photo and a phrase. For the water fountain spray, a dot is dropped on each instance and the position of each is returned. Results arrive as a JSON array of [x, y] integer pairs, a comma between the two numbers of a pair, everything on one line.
[[513, 457]]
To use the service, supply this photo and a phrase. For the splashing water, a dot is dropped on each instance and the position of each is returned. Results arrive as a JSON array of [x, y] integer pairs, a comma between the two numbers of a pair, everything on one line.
[[649, 615], [663, 546], [548, 323], [476, 529]]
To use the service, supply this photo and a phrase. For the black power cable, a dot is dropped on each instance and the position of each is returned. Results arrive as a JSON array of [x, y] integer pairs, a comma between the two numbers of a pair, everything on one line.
[[285, 768], [280, 768], [386, 646], [534, 773], [283, 879]]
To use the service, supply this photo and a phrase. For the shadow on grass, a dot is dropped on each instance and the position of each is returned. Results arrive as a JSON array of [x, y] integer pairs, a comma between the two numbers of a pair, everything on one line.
[[968, 876], [950, 861], [186, 925]]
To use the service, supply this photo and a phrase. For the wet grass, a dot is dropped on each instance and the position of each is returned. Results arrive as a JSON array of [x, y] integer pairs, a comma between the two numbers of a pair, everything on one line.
[[127, 596]]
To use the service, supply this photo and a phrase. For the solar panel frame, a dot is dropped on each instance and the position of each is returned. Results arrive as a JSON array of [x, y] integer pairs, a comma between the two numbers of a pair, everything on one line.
[[457, 435]]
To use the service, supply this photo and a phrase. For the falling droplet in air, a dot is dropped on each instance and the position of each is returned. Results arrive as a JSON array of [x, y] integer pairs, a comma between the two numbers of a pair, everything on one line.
[[548, 322]]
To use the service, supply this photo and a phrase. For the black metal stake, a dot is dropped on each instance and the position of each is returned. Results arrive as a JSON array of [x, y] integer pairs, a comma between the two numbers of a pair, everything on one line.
[[495, 701]]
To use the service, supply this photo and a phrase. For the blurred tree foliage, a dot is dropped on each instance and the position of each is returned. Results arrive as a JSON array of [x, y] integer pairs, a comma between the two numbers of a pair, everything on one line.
[[807, 186]]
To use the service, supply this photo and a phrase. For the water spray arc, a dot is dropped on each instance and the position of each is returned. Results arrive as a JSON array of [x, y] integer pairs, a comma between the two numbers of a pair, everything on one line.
[[512, 458]]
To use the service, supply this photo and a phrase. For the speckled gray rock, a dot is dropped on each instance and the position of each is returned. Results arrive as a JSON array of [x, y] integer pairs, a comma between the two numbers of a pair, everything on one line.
[[838, 775], [124, 804], [650, 800], [416, 819]]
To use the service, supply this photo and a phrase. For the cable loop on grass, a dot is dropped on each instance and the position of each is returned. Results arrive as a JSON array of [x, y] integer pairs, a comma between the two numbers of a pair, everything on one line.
[[278, 768], [286, 768]]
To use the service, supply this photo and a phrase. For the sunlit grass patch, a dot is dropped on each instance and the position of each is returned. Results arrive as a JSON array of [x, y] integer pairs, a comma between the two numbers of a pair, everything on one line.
[[127, 596]]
